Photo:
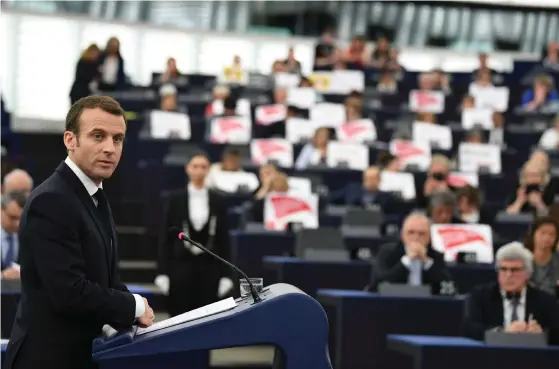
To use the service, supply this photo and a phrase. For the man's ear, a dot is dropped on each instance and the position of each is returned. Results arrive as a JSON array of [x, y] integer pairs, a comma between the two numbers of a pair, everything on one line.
[[69, 140]]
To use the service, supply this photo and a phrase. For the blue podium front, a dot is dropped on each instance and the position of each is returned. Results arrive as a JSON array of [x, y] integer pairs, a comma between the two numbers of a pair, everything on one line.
[[287, 318]]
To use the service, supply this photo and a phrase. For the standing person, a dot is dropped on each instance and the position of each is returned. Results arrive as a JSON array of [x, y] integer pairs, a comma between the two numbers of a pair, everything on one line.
[[87, 72], [68, 250], [191, 277]]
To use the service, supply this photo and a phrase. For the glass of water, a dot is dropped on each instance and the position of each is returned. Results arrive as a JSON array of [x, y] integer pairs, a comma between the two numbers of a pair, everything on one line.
[[258, 284]]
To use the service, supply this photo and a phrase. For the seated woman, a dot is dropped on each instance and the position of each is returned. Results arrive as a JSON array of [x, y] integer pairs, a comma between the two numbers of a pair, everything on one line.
[[542, 241], [172, 74], [219, 93], [541, 94], [381, 54], [277, 183], [533, 193], [314, 152], [266, 174], [482, 82]]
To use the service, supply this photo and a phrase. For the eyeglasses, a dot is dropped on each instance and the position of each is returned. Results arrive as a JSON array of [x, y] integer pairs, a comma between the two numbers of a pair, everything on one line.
[[511, 270]]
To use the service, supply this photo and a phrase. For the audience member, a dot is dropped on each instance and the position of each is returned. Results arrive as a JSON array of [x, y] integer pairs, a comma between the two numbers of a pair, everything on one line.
[[511, 305], [357, 54], [168, 93], [230, 162], [469, 209], [381, 54], [111, 67], [266, 174], [172, 74], [325, 52], [437, 175], [87, 73], [388, 162], [292, 65], [18, 180], [551, 59], [387, 83], [442, 207], [314, 152], [542, 242], [533, 193], [12, 207], [550, 138], [411, 260], [541, 94]]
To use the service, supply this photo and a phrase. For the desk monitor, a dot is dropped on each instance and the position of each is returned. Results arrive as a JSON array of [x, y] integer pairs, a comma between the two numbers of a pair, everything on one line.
[[498, 338], [403, 290]]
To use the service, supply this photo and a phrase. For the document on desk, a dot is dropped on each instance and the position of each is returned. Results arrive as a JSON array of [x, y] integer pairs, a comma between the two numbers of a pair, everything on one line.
[[204, 311]]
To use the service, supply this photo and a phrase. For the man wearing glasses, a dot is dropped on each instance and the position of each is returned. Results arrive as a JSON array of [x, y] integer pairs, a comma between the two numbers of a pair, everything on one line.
[[511, 305]]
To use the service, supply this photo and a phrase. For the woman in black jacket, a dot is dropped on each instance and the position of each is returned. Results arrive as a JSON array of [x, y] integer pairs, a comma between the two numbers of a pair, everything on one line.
[[87, 71]]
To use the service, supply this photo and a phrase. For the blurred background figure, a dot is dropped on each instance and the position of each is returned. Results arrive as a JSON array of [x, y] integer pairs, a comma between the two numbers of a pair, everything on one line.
[[87, 73], [12, 207]]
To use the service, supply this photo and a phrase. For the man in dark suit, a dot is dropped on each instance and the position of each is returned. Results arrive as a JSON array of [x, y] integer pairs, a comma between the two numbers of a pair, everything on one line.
[[12, 207], [68, 253], [368, 193], [511, 304], [412, 261]]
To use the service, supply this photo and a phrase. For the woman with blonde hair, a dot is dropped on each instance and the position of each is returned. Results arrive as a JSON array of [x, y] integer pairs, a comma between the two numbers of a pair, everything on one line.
[[87, 72]]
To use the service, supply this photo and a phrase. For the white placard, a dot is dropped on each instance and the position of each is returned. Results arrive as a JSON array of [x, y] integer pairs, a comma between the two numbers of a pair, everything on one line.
[[348, 154], [287, 80], [412, 153], [231, 181], [450, 239], [278, 150], [299, 186], [458, 179], [233, 75], [168, 124], [270, 114], [472, 156], [483, 117], [427, 101], [436, 136], [299, 130], [242, 109], [328, 115], [340, 82], [490, 97], [230, 130], [281, 209], [302, 98], [400, 182], [362, 130]]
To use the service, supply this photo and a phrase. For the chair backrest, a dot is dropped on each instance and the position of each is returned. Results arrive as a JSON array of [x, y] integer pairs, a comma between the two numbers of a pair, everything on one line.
[[320, 239], [326, 255], [520, 218], [363, 218], [403, 290]]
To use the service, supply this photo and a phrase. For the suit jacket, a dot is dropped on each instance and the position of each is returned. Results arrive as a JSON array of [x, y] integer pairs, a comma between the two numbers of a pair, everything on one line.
[[172, 251], [389, 268], [70, 284], [484, 311]]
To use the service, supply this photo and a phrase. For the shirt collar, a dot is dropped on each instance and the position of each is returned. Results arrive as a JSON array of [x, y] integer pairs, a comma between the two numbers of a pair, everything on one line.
[[89, 185], [522, 300], [197, 192]]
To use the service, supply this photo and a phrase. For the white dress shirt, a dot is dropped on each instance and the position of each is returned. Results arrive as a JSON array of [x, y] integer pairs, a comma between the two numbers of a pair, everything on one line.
[[198, 206], [110, 70], [508, 307], [91, 189]]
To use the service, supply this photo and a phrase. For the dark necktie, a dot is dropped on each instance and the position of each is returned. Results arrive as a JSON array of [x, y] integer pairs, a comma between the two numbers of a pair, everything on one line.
[[103, 211], [514, 299], [10, 252]]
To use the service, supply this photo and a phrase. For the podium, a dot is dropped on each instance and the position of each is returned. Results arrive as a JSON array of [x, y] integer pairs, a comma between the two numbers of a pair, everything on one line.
[[287, 318]]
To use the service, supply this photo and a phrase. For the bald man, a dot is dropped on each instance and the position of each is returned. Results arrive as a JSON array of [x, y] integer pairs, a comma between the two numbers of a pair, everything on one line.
[[412, 260], [18, 180]]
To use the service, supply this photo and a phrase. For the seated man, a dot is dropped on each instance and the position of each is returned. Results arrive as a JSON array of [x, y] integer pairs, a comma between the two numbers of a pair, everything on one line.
[[367, 194], [230, 162], [17, 180], [511, 304], [412, 260], [442, 206]]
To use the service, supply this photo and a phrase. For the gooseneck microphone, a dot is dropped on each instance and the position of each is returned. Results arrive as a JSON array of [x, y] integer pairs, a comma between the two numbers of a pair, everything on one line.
[[181, 236]]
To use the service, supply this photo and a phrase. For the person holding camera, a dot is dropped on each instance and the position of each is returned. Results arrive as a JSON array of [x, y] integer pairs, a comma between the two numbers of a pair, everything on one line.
[[532, 194]]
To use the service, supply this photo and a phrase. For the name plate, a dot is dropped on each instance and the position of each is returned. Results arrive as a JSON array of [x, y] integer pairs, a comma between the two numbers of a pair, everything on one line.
[[403, 290], [499, 338]]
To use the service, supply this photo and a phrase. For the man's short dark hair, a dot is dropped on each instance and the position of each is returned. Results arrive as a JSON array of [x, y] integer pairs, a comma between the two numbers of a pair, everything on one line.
[[231, 152], [19, 197], [105, 103], [230, 103]]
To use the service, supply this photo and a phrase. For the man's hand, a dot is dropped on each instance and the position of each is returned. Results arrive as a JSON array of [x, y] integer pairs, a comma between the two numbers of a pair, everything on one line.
[[534, 327], [416, 251], [536, 200], [517, 327], [147, 319], [10, 273]]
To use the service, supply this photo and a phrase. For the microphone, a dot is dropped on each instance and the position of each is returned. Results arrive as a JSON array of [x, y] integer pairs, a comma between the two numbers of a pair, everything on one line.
[[181, 236]]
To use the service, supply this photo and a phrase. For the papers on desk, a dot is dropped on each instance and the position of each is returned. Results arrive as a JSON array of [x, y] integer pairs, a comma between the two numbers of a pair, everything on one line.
[[204, 311]]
